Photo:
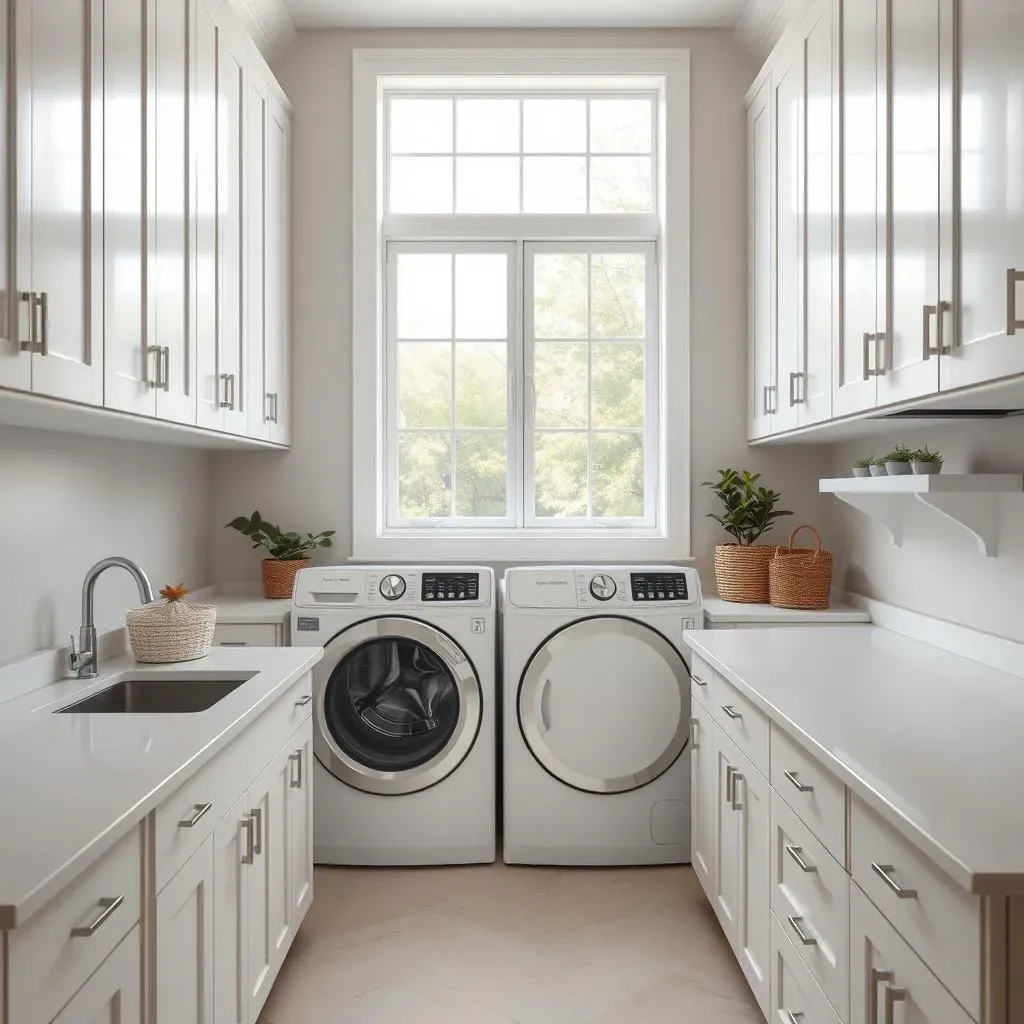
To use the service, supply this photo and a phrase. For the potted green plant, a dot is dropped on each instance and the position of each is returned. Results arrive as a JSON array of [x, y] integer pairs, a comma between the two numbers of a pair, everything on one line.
[[289, 552], [897, 462], [925, 462], [748, 512], [862, 467], [877, 467]]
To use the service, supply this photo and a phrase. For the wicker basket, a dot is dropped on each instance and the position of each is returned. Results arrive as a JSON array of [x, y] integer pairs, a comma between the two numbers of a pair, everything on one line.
[[801, 577], [279, 576], [175, 631], [741, 572]]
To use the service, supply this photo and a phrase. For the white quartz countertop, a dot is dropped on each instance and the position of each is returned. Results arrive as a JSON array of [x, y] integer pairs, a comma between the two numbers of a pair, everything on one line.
[[75, 784], [932, 741], [245, 609], [719, 611]]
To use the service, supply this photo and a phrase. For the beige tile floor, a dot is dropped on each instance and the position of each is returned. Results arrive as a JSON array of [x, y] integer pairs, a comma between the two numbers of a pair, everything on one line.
[[497, 944]]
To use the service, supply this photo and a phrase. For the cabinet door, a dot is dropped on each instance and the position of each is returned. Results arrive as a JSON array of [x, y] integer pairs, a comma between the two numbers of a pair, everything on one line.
[[269, 879], [259, 408], [112, 995], [60, 192], [702, 800], [788, 144], [184, 978], [15, 364], [300, 824], [171, 208], [888, 981], [232, 855], [917, 32], [990, 109], [278, 272], [127, 365], [762, 380], [862, 207], [726, 845]]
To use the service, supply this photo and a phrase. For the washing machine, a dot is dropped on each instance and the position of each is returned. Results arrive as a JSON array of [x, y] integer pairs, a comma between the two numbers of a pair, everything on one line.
[[404, 711], [596, 714]]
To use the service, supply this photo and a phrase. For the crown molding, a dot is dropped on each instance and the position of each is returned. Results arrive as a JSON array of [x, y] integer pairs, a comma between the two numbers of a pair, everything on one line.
[[268, 22]]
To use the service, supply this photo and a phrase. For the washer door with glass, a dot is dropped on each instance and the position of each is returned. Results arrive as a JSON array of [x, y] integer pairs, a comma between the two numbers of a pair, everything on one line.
[[397, 705], [604, 705]]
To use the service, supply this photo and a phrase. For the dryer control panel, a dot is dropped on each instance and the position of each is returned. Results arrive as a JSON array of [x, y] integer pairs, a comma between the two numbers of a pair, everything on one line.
[[659, 586], [398, 586]]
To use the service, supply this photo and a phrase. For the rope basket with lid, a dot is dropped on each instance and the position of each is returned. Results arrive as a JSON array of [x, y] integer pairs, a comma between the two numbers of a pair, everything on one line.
[[177, 630], [800, 578]]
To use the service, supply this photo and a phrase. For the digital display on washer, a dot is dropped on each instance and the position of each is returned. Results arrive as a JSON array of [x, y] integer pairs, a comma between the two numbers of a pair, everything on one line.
[[659, 586], [451, 586]]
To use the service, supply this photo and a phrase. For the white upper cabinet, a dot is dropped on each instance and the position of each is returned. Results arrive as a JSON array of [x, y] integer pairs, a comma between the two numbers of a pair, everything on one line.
[[15, 365], [277, 351], [257, 94], [59, 139], [990, 341]]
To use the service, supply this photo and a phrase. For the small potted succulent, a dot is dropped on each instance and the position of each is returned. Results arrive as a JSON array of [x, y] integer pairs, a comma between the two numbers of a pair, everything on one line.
[[862, 467], [925, 462], [897, 462], [289, 552], [877, 467]]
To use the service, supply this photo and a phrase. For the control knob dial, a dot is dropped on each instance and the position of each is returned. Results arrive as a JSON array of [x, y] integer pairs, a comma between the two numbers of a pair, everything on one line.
[[392, 587], [602, 587]]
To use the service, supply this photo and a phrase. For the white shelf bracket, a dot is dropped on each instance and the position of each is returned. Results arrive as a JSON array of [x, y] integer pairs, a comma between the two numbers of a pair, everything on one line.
[[975, 513], [886, 508]]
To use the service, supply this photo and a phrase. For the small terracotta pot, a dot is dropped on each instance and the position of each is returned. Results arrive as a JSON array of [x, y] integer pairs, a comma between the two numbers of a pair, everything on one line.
[[279, 576], [741, 572]]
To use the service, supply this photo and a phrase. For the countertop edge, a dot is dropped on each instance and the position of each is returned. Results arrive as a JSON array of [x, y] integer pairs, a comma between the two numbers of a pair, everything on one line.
[[15, 915], [978, 883]]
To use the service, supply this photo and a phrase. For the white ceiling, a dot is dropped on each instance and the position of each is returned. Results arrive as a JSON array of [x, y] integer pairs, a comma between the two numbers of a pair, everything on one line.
[[515, 13]]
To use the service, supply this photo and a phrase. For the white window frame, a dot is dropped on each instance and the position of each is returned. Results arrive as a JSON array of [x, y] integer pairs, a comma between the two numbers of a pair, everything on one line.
[[376, 72]]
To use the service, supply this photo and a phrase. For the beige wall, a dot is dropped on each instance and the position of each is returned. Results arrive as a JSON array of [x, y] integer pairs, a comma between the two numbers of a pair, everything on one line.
[[67, 502], [938, 570], [310, 487]]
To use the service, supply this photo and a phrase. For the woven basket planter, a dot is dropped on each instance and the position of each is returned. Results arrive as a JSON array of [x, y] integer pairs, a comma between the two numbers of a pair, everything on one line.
[[741, 572], [801, 577], [279, 576], [161, 634]]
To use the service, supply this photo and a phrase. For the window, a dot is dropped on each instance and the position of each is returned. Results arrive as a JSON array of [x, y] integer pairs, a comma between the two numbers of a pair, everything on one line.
[[517, 323]]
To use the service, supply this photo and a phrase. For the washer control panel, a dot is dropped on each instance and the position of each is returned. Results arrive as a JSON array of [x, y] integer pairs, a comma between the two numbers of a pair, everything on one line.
[[451, 586], [659, 586]]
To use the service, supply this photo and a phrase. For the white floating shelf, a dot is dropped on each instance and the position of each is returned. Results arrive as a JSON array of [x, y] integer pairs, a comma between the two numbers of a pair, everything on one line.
[[969, 500]]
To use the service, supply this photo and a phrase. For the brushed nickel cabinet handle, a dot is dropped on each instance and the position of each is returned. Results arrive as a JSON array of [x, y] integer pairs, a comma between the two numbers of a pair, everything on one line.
[[868, 338], [43, 302], [794, 392], [1013, 276], [796, 923], [296, 782], [768, 392], [257, 816], [927, 312], [199, 812], [876, 978], [737, 776], [303, 700], [797, 853], [693, 734], [32, 345], [892, 997], [153, 382], [165, 365], [940, 327], [107, 907], [729, 773], [699, 681], [884, 872], [731, 711], [250, 849], [228, 401], [880, 360], [800, 786]]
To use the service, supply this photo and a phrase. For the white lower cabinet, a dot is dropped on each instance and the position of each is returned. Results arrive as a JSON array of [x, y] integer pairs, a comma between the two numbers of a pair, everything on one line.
[[703, 801], [232, 855], [300, 824], [113, 995], [796, 999]]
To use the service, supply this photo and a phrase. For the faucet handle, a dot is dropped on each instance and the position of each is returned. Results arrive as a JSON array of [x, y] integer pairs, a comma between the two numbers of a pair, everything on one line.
[[73, 657]]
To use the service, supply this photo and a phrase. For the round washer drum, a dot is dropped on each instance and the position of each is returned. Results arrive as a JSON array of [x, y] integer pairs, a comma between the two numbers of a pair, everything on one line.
[[397, 706], [604, 704]]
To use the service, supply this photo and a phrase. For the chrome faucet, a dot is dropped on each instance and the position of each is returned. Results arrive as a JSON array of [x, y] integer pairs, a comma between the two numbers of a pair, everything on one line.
[[85, 659]]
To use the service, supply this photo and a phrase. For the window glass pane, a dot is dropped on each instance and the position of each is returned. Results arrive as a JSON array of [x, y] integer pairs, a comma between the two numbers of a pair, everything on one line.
[[555, 184], [487, 184], [620, 184], [617, 295], [421, 126], [560, 475], [617, 379], [560, 382], [424, 295], [424, 384], [560, 295], [424, 475], [555, 126], [481, 295], [480, 384], [421, 184], [481, 475], [487, 126], [618, 475], [620, 126]]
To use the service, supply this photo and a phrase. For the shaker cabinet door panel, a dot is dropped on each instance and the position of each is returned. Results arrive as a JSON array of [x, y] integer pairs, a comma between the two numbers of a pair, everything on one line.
[[278, 272], [702, 801]]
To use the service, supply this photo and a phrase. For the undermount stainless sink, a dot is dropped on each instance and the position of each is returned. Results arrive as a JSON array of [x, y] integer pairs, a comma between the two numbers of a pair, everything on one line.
[[159, 694]]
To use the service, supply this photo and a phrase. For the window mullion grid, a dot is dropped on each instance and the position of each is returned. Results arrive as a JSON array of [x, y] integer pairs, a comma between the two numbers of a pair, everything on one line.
[[586, 143], [517, 360], [590, 364], [451, 400]]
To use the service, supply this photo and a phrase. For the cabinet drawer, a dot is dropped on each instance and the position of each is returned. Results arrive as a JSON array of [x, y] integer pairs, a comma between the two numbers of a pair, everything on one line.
[[940, 920], [796, 998], [256, 634], [701, 678], [741, 721], [883, 968], [811, 899], [48, 962], [816, 795]]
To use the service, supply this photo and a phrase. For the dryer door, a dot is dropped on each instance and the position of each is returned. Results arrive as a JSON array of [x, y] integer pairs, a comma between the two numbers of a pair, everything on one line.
[[397, 706], [604, 704]]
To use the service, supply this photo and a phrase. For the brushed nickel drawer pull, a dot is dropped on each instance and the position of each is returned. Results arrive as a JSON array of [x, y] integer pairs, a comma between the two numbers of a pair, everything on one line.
[[731, 711], [32, 344], [200, 811], [797, 853], [693, 734], [247, 857], [892, 997], [303, 700], [805, 939], [737, 777], [257, 815], [699, 681], [296, 782], [729, 772], [107, 907], [877, 977], [801, 787], [884, 872]]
